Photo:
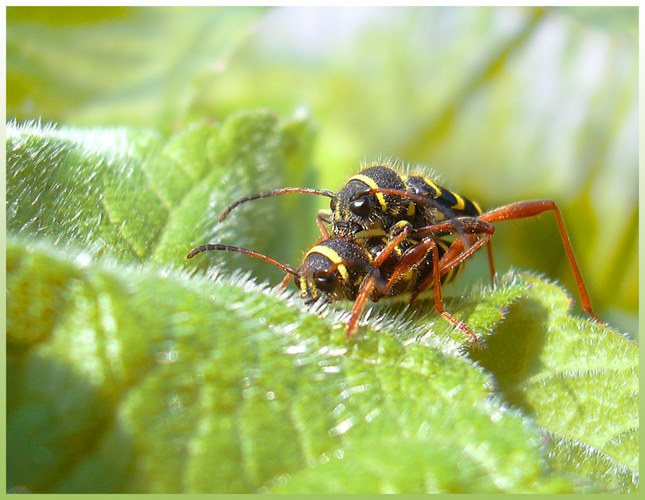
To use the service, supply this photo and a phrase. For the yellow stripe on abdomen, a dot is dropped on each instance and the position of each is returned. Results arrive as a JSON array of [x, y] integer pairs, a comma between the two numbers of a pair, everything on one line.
[[436, 188], [460, 205]]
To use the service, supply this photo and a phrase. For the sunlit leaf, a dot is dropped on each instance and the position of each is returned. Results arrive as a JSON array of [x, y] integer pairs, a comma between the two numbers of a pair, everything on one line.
[[223, 386], [578, 380]]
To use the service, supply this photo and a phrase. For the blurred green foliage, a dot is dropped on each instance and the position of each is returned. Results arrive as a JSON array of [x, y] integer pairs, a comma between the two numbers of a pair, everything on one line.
[[505, 103]]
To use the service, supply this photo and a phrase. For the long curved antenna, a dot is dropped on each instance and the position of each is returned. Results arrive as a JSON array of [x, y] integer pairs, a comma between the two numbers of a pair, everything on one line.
[[275, 192], [227, 248]]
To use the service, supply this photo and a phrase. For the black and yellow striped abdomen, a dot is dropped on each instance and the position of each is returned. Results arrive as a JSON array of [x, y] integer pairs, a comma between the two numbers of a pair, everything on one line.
[[461, 206]]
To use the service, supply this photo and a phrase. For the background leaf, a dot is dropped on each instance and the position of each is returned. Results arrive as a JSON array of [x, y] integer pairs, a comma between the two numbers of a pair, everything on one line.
[[119, 191]]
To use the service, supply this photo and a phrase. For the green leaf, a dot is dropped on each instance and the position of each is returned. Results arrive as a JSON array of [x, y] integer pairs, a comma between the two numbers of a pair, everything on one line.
[[128, 374], [578, 380], [121, 192], [179, 384], [76, 186]]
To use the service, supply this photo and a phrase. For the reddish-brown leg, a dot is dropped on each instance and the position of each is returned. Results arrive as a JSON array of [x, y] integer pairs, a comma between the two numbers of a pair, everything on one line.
[[412, 257], [438, 298], [524, 209], [396, 241], [321, 218], [370, 281], [366, 287], [456, 254], [519, 210], [475, 227], [285, 281]]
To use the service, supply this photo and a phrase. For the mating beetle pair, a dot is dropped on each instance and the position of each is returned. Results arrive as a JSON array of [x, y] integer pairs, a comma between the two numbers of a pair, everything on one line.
[[388, 237]]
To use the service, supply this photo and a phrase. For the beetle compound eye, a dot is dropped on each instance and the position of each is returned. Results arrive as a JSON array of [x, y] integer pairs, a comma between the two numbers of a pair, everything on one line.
[[325, 281], [361, 206], [332, 204]]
